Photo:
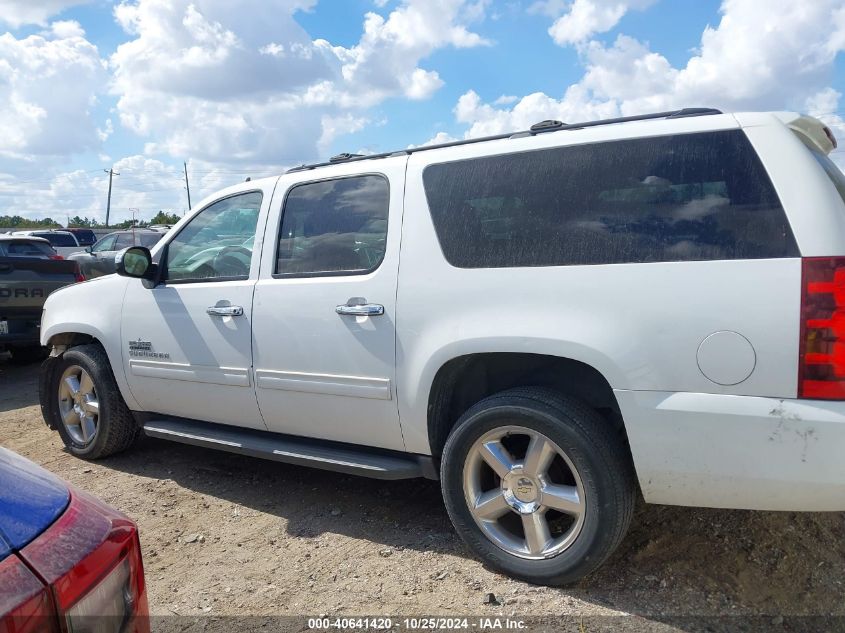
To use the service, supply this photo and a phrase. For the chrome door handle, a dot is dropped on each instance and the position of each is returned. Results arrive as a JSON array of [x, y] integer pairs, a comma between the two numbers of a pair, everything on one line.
[[224, 311], [362, 309]]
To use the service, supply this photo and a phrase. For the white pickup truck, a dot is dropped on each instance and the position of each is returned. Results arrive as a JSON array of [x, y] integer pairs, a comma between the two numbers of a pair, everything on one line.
[[543, 321]]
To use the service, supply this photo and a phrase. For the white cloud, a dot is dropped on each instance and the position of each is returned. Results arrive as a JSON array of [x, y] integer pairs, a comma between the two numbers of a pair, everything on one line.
[[578, 20], [216, 80], [18, 12], [752, 60], [824, 105], [48, 84], [385, 60], [437, 139]]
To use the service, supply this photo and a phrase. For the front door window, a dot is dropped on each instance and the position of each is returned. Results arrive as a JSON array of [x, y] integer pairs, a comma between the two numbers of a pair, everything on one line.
[[216, 245]]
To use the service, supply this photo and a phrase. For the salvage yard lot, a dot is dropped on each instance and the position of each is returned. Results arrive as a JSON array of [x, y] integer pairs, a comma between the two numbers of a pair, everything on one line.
[[224, 534]]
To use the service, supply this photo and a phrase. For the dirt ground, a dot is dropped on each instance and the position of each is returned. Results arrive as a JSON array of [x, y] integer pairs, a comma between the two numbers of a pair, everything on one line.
[[225, 535]]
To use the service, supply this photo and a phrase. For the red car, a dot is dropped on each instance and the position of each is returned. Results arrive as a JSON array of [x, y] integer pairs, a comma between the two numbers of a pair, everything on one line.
[[68, 562]]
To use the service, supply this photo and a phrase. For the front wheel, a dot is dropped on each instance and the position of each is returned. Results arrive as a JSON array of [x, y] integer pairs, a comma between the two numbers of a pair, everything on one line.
[[85, 405], [538, 485]]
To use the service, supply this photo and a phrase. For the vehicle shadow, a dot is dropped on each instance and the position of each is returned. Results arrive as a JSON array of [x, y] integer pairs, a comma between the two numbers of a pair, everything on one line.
[[726, 563], [18, 384]]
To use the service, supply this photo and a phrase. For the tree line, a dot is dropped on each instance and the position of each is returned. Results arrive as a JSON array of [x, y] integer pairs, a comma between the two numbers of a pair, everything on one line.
[[17, 221]]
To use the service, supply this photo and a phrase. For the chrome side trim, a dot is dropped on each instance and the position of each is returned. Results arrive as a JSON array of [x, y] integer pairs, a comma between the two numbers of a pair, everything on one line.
[[328, 384], [229, 376]]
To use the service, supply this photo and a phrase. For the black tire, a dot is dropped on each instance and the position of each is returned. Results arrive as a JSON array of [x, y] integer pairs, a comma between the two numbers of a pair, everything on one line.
[[596, 449], [28, 355], [116, 428]]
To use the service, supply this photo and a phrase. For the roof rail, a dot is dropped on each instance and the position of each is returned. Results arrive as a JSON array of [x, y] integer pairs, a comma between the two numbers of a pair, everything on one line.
[[538, 128]]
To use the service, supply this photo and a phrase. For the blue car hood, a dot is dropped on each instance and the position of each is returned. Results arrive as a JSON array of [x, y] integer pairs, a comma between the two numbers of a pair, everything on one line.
[[31, 498]]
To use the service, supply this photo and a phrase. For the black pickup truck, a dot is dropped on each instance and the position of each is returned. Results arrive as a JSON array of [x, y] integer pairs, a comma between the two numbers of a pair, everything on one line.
[[29, 272]]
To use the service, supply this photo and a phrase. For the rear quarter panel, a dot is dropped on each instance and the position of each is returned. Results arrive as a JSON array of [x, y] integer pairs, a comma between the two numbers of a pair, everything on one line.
[[640, 325]]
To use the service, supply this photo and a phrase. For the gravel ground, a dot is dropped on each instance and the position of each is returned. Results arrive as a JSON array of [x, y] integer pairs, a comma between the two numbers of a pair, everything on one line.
[[228, 535]]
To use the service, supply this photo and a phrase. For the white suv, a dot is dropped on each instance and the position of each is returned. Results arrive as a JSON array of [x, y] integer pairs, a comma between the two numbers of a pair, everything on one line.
[[543, 321]]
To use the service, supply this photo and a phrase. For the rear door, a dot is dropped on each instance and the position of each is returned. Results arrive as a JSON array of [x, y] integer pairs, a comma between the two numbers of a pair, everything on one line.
[[187, 342], [325, 305]]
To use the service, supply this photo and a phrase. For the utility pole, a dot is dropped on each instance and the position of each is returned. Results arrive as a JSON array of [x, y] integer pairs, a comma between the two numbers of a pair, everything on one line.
[[187, 186], [111, 173]]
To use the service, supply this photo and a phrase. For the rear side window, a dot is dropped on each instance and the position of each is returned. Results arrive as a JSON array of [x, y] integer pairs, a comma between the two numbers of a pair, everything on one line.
[[59, 239], [85, 237], [124, 240], [689, 197], [334, 227], [149, 240]]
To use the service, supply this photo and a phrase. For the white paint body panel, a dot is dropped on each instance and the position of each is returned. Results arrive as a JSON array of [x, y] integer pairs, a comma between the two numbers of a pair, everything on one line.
[[207, 373], [319, 374], [367, 380], [92, 308], [736, 451]]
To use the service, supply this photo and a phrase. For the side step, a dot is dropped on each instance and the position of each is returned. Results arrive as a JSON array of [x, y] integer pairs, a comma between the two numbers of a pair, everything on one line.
[[344, 458]]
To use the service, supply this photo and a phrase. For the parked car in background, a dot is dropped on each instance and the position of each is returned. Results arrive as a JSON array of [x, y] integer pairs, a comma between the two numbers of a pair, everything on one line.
[[62, 241], [160, 227], [582, 313], [68, 562], [85, 237], [98, 260], [23, 246], [29, 271]]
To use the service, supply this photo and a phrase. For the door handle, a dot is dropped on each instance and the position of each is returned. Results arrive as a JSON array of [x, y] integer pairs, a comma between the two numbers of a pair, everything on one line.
[[224, 311], [360, 309]]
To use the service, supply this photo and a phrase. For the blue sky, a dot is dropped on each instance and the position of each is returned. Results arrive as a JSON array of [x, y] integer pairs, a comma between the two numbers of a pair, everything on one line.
[[253, 87]]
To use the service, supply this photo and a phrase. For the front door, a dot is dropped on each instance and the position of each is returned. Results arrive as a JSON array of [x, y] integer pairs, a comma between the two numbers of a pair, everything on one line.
[[187, 342], [325, 307]]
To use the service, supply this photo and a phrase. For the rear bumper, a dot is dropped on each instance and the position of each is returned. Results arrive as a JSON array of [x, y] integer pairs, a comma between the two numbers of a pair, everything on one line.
[[24, 330], [723, 451]]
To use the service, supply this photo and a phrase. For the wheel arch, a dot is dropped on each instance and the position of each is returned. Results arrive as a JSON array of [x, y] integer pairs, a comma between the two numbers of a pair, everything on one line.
[[464, 380], [76, 334]]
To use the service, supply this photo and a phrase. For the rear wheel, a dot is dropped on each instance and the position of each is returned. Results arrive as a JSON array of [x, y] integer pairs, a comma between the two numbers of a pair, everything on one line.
[[538, 485], [86, 406]]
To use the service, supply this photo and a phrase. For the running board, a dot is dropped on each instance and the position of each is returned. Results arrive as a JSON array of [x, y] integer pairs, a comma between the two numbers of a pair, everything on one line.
[[344, 458]]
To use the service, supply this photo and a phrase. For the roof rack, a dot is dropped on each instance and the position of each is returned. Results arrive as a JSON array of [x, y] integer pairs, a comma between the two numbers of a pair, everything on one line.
[[542, 127]]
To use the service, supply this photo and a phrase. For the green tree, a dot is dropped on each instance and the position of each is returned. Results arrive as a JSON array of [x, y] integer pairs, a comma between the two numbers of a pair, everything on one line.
[[17, 221], [163, 217]]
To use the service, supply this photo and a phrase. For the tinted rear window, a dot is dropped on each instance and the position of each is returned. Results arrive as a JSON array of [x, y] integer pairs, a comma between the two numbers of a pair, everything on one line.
[[334, 227], [58, 239], [28, 249], [85, 237], [688, 197]]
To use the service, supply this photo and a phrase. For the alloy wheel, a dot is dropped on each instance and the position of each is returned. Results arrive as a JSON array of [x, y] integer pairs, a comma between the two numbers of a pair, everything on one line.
[[79, 407], [524, 492]]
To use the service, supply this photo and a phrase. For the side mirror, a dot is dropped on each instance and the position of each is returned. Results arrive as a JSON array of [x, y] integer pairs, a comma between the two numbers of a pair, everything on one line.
[[134, 261]]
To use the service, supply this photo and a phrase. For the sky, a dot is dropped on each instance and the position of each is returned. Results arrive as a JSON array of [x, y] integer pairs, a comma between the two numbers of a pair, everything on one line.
[[253, 87]]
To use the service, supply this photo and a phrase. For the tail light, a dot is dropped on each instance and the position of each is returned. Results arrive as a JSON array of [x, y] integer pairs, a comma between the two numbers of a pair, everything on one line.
[[56, 256], [91, 560], [821, 363], [77, 272]]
